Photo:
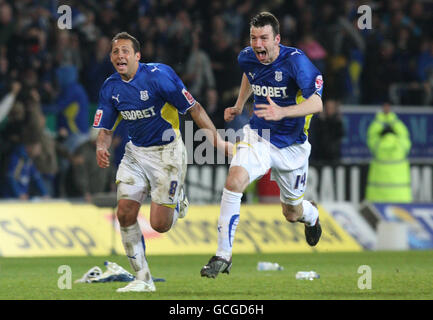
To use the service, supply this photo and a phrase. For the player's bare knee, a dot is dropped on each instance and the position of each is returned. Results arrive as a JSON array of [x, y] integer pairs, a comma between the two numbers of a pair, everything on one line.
[[233, 184], [160, 226], [236, 183], [127, 213], [291, 213], [125, 219], [161, 217], [237, 179], [292, 218]]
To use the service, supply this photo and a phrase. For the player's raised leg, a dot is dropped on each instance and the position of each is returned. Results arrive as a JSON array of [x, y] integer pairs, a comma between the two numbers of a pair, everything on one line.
[[295, 209], [168, 205], [305, 212], [237, 181], [166, 172], [293, 184], [164, 217]]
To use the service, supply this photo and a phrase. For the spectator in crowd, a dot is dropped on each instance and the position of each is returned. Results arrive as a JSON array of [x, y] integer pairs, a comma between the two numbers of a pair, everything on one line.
[[34, 120], [8, 100], [149, 52], [326, 134], [425, 71], [67, 49], [180, 37], [146, 29], [47, 163], [225, 74], [72, 121], [199, 77], [12, 131], [98, 68], [73, 108], [4, 77], [7, 24], [89, 28], [35, 133], [88, 178], [21, 172], [389, 172], [10, 137], [314, 50], [26, 125], [380, 72], [107, 18]]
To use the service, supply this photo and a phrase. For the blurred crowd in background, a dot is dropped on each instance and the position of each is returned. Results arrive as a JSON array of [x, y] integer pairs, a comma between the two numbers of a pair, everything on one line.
[[50, 77]]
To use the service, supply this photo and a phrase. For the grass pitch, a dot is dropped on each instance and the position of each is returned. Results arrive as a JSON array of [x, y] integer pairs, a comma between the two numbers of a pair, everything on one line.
[[394, 275]]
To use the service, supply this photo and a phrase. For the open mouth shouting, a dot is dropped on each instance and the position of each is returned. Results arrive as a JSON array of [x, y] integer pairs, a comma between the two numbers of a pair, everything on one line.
[[121, 66], [261, 55]]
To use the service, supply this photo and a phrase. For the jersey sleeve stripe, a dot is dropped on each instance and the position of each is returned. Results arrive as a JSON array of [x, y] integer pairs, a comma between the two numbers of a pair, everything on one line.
[[300, 99], [170, 114], [119, 118]]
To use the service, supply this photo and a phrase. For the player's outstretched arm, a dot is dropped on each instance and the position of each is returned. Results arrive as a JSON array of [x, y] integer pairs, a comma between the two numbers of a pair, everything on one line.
[[201, 118], [244, 93], [103, 142], [274, 112]]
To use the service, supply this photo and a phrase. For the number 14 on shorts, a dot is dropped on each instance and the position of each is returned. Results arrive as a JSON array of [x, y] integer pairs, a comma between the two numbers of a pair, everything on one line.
[[300, 179]]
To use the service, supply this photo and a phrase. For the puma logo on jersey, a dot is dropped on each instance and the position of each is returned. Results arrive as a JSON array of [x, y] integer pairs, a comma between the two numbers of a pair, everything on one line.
[[138, 114], [116, 98], [273, 92]]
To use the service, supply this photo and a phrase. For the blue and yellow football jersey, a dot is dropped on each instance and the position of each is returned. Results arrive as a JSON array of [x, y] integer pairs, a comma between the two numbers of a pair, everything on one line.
[[150, 104], [288, 80]]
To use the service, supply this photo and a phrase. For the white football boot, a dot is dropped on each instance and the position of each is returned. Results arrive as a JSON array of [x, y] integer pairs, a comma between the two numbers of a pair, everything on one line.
[[138, 286], [183, 203]]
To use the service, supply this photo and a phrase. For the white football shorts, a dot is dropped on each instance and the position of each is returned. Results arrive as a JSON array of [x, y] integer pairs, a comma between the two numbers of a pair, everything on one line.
[[289, 165], [158, 170]]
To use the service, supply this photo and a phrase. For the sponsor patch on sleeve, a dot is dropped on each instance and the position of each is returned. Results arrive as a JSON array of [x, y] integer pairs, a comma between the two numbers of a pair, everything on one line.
[[98, 116], [188, 96], [319, 82]]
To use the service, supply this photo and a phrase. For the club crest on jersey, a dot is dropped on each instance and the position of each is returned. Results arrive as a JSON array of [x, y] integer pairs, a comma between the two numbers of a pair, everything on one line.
[[188, 96], [144, 95], [98, 116], [278, 76], [319, 82]]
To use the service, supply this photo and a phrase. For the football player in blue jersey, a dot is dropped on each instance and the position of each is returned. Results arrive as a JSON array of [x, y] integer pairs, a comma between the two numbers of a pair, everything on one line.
[[287, 90], [148, 97]]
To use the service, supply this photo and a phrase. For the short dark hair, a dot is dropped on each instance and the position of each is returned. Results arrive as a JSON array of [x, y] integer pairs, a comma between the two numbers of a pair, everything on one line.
[[126, 36], [265, 18]]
